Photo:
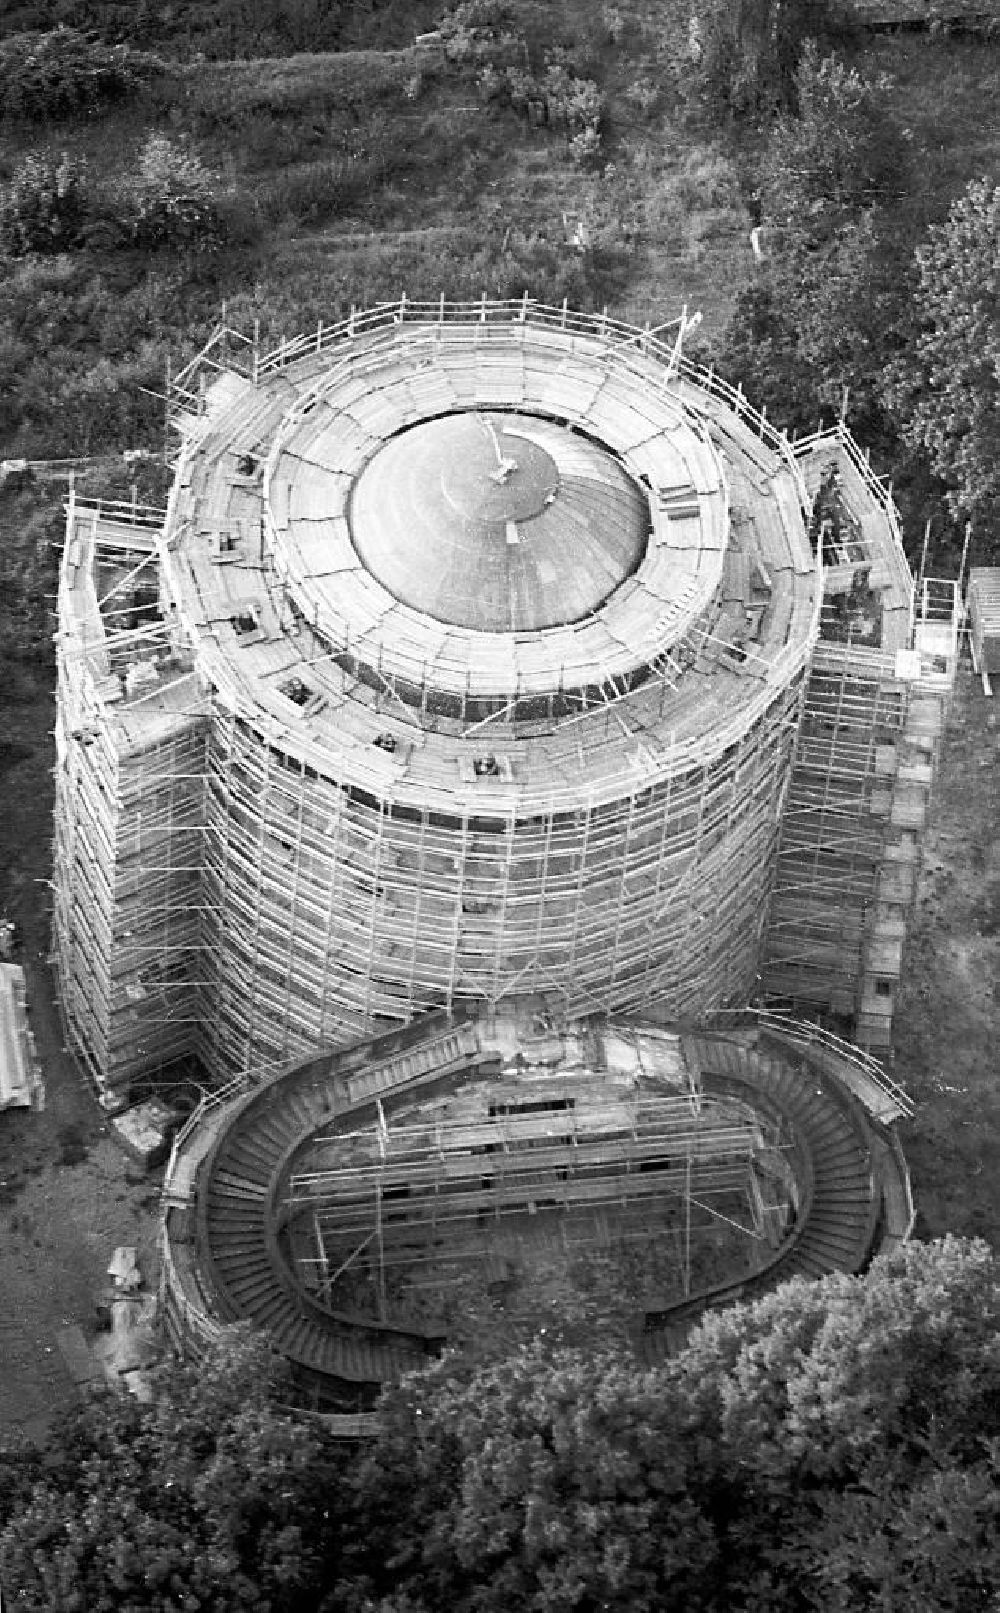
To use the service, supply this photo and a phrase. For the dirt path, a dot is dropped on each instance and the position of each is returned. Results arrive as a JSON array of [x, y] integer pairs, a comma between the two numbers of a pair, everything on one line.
[[65, 1201], [948, 1025]]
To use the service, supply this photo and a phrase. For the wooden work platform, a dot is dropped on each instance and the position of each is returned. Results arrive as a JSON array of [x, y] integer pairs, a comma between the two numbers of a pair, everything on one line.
[[300, 632]]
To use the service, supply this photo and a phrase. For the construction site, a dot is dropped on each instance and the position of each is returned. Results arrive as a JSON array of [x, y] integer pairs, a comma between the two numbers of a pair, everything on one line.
[[486, 656]]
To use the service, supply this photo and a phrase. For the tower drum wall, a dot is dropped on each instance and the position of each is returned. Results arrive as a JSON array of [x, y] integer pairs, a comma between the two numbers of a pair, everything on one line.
[[332, 911]]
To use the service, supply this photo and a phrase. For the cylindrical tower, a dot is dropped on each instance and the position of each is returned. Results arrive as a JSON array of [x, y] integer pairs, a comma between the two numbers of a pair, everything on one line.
[[504, 621]]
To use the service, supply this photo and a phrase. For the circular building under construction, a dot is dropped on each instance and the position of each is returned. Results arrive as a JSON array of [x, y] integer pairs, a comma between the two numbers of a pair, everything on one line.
[[497, 689], [472, 665]]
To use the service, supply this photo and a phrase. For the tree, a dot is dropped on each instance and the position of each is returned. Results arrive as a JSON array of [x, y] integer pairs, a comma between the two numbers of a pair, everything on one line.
[[741, 57], [170, 200], [212, 1497], [834, 152], [61, 74], [829, 307], [547, 1481], [947, 387], [834, 1446], [813, 329], [818, 1449]]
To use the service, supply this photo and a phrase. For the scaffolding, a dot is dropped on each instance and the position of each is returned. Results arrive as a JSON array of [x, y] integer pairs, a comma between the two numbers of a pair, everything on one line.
[[898, 13], [501, 1176], [874, 709], [294, 808], [476, 1169], [130, 769]]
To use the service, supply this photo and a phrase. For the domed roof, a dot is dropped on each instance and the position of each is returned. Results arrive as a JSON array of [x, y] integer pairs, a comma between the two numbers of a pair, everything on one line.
[[500, 522]]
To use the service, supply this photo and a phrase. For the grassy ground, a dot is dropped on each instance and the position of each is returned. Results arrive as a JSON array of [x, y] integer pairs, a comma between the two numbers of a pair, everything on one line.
[[350, 178]]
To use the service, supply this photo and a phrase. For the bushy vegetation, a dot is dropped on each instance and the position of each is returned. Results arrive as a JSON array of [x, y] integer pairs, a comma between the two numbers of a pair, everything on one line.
[[865, 299], [948, 384], [51, 76], [566, 150], [44, 207], [740, 57], [27, 582], [802, 338], [221, 29], [483, 35], [834, 1445], [213, 1497], [170, 200]]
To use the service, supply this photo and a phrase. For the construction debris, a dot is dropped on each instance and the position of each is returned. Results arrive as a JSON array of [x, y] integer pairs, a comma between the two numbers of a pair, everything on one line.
[[124, 1270], [145, 1131], [21, 1084]]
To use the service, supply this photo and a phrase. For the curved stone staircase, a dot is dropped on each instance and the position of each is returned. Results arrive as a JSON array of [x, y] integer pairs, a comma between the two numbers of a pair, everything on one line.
[[845, 1168], [223, 1262]]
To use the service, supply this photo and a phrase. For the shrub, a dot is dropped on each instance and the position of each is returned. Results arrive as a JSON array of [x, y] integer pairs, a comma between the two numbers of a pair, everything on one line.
[[48, 76], [642, 96], [474, 30], [44, 206], [585, 147], [740, 61], [571, 102], [170, 200], [945, 386], [312, 192], [568, 101]]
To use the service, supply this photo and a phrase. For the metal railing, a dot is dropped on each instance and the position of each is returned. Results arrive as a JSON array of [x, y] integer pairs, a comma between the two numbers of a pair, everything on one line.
[[904, 1171], [879, 488], [215, 357], [208, 1101], [124, 512], [805, 1033]]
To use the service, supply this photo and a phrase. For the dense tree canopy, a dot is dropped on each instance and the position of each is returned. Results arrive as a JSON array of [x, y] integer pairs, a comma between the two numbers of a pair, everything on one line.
[[742, 55], [948, 385], [833, 1446], [211, 1498], [829, 305]]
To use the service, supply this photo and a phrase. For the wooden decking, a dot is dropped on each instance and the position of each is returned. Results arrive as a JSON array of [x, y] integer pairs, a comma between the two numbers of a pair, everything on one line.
[[360, 655]]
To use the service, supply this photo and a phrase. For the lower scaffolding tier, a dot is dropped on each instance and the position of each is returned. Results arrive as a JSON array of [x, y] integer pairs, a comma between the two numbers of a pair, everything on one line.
[[315, 1204]]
